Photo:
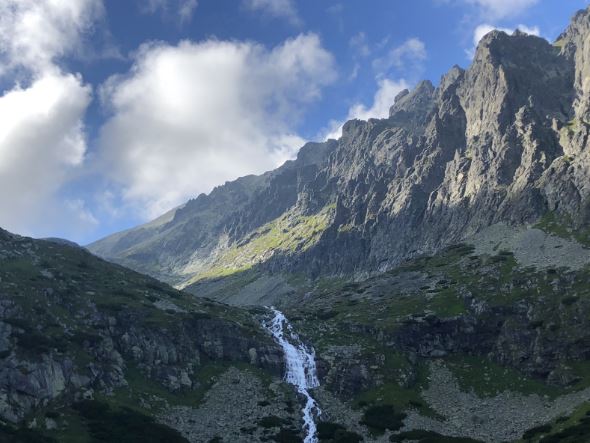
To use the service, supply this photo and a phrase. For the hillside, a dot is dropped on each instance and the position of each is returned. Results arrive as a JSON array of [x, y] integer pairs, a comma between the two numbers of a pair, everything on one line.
[[91, 351]]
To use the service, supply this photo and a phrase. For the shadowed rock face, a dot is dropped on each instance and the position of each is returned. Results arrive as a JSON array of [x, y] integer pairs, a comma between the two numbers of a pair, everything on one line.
[[503, 141]]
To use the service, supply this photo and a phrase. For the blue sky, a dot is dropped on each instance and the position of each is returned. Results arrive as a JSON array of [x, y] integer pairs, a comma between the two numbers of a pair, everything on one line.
[[113, 112]]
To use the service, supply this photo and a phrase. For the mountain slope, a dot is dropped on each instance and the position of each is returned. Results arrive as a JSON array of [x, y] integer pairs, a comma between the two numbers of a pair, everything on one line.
[[91, 351], [503, 141]]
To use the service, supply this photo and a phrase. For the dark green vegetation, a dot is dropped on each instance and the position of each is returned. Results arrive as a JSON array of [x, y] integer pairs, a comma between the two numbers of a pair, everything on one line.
[[571, 429], [429, 437], [383, 417], [124, 425], [332, 433], [23, 435]]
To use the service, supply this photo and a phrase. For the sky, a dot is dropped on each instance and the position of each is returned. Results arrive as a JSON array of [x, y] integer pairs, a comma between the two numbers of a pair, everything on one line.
[[113, 112]]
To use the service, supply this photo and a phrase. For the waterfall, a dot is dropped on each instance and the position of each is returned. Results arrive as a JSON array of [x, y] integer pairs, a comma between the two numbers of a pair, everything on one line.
[[301, 370]]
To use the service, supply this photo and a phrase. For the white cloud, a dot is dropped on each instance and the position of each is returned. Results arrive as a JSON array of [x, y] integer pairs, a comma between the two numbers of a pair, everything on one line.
[[382, 101], [359, 44], [33, 33], [275, 8], [42, 140], [188, 117], [409, 56], [183, 10], [483, 29], [500, 9]]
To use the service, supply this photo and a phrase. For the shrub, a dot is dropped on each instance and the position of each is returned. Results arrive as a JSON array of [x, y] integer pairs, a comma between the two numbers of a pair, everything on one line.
[[123, 425], [383, 417], [533, 432], [326, 315], [421, 436], [326, 430], [12, 435], [287, 436], [272, 421], [569, 300], [343, 436]]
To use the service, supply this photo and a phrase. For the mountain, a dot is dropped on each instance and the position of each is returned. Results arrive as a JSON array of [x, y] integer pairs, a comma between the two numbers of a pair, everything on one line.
[[501, 142]]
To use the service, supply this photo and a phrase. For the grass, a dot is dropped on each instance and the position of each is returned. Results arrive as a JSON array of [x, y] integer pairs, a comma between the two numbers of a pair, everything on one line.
[[105, 423], [420, 436], [390, 393], [488, 379], [289, 233], [572, 429], [563, 226]]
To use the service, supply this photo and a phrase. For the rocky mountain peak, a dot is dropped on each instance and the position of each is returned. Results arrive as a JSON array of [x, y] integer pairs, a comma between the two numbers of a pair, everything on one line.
[[415, 104]]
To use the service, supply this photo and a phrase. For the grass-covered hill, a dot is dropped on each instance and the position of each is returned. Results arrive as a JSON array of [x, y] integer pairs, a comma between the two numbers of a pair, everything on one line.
[[91, 351]]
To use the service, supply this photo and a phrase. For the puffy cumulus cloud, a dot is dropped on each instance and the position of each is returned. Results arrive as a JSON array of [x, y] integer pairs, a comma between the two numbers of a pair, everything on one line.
[[500, 9], [41, 142], [187, 117], [480, 31], [407, 57], [275, 8], [382, 101], [182, 10], [33, 33]]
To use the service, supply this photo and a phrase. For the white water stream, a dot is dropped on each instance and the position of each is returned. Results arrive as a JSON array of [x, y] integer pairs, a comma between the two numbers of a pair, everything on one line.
[[301, 370]]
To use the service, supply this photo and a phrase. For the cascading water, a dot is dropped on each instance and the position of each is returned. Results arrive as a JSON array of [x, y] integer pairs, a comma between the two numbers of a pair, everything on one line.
[[301, 370]]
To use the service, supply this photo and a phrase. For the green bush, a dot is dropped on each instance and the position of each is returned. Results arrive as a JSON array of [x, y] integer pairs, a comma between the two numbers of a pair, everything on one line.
[[421, 436], [272, 421], [287, 436], [326, 430], [343, 436], [533, 432], [8, 434], [569, 300], [123, 425], [383, 417]]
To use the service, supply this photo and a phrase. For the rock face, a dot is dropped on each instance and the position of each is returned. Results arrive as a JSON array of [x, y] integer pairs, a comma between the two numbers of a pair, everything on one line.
[[503, 141]]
